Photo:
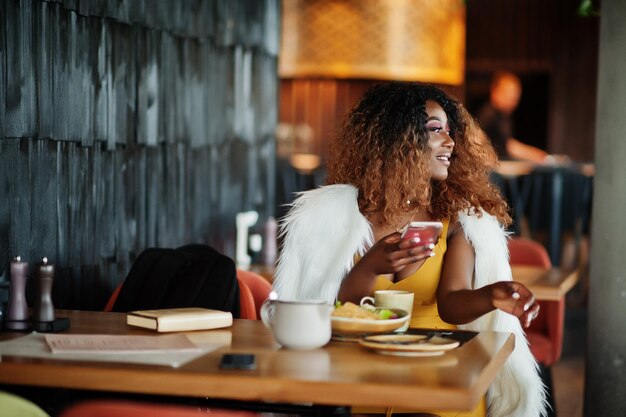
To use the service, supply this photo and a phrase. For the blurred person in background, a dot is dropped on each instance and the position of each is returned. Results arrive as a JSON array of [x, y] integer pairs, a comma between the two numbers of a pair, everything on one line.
[[495, 118]]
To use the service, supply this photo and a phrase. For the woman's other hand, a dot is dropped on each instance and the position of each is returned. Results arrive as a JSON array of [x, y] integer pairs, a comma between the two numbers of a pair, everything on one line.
[[391, 254], [514, 298]]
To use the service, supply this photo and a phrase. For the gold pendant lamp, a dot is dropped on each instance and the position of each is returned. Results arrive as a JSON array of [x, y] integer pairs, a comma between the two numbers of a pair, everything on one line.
[[409, 40]]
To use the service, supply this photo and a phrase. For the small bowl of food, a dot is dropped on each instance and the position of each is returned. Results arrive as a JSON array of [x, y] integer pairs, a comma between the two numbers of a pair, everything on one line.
[[350, 320]]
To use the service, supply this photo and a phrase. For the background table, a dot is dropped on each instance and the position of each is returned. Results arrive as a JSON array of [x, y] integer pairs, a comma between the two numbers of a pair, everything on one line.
[[546, 284], [551, 198]]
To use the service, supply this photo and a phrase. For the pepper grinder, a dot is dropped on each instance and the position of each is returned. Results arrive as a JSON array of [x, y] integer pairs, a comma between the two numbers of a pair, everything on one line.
[[269, 249], [17, 317], [44, 309]]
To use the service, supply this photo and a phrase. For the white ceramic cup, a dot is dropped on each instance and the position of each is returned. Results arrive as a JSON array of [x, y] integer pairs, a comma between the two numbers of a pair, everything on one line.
[[298, 324], [402, 300]]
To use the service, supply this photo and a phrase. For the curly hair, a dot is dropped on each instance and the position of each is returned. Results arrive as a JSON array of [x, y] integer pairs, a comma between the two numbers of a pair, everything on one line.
[[383, 151]]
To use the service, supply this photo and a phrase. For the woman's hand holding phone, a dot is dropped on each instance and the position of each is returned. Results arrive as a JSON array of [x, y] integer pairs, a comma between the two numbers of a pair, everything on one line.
[[392, 253]]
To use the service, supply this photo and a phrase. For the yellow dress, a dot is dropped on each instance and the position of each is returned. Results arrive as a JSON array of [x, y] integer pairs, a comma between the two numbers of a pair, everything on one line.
[[423, 283]]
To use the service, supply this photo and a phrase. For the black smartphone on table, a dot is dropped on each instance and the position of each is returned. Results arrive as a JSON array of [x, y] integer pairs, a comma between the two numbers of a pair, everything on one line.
[[238, 361]]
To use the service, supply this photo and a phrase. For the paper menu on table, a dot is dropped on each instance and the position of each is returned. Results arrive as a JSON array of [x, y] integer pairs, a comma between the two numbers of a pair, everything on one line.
[[77, 343], [34, 345]]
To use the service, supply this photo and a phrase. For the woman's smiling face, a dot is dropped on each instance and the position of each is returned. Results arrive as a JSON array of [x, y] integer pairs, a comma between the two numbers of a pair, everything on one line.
[[439, 140]]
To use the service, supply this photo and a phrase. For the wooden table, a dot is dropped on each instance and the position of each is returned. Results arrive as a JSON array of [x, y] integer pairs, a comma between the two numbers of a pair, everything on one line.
[[547, 284], [341, 373]]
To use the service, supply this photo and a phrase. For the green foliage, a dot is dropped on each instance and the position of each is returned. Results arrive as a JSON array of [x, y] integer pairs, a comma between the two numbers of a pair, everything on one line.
[[586, 9]]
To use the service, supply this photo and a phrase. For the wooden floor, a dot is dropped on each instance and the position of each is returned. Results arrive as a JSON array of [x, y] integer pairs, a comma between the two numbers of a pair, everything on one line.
[[568, 380], [568, 373]]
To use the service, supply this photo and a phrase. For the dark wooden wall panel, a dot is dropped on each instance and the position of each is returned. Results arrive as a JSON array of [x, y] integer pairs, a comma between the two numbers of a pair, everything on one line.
[[126, 124], [3, 78]]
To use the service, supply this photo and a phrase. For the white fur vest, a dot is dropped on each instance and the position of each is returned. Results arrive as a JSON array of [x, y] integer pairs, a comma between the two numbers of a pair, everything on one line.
[[325, 229]]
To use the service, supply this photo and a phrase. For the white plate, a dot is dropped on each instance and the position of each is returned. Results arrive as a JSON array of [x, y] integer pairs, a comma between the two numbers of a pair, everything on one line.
[[408, 344], [411, 354]]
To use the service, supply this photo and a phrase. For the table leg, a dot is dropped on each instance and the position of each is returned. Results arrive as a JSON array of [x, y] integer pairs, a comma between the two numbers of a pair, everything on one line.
[[517, 203], [555, 217]]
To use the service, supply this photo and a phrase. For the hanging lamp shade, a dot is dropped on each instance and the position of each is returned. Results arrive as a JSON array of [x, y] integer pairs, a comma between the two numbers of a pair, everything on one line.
[[409, 40]]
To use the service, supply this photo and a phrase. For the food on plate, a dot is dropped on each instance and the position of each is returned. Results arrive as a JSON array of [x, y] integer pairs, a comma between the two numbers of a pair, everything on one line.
[[353, 311], [385, 314]]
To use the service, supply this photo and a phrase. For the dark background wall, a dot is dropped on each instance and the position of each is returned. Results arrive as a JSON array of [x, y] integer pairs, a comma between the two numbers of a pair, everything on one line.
[[128, 124]]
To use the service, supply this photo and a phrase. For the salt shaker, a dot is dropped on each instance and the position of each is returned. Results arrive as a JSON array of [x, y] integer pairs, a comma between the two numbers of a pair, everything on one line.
[[17, 316], [44, 309]]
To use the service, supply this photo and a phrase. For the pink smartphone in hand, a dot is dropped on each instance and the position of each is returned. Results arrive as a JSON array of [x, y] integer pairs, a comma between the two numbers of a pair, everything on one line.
[[427, 232]]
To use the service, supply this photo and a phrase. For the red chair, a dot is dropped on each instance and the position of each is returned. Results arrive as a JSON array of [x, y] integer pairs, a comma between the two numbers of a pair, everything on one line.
[[109, 307], [523, 251], [545, 334], [247, 306], [117, 408], [258, 285]]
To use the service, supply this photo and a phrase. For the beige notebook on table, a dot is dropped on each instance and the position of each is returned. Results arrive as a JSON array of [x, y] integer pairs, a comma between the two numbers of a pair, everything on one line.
[[180, 319]]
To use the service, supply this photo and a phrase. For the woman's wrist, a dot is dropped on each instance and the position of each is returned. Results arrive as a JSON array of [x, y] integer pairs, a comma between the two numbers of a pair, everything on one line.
[[357, 284], [487, 297]]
